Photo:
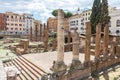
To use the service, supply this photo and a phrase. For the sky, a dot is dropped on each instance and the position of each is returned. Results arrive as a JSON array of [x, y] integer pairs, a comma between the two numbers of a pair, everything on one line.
[[41, 9]]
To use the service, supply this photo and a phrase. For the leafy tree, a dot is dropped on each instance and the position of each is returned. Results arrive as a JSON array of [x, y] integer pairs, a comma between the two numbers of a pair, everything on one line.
[[105, 13], [54, 13], [100, 14], [95, 17], [66, 14]]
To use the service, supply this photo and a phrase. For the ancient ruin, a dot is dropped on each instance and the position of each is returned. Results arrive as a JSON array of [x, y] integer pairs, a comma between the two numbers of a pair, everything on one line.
[[105, 56]]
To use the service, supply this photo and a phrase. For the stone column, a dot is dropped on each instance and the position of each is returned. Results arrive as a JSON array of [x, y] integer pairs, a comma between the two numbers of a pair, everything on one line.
[[44, 31], [106, 41], [97, 42], [60, 36], [69, 40], [75, 61], [75, 46], [40, 32], [88, 41], [59, 64], [31, 33], [36, 32], [25, 45], [46, 39], [113, 49]]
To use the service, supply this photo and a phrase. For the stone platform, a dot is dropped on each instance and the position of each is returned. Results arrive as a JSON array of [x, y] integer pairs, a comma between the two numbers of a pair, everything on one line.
[[45, 60]]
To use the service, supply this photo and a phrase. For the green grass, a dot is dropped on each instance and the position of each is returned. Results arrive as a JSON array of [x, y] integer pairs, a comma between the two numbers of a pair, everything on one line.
[[3, 55]]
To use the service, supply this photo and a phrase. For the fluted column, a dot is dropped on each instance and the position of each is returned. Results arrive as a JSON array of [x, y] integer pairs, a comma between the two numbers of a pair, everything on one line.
[[97, 42]]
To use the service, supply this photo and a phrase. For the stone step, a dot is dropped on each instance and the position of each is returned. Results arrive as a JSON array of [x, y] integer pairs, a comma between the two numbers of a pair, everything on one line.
[[24, 70], [34, 67], [29, 69], [36, 72], [22, 75]]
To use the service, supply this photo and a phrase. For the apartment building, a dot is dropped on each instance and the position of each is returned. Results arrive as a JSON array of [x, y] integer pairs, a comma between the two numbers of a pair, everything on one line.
[[115, 22], [83, 17], [2, 22], [15, 24], [29, 22], [76, 21], [52, 23]]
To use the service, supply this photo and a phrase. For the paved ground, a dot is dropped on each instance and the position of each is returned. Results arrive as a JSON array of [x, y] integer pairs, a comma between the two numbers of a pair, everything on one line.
[[45, 60]]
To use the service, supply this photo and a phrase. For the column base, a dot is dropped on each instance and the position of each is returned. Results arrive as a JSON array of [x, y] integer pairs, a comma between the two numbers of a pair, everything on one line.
[[76, 64], [59, 66]]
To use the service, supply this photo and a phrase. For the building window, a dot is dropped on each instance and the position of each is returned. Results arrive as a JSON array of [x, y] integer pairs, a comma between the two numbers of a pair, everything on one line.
[[89, 18], [16, 28], [11, 28], [11, 24], [16, 17], [20, 28], [117, 32], [16, 24], [30, 20], [11, 16], [15, 32], [20, 24], [7, 23], [88, 13], [118, 23], [7, 16]]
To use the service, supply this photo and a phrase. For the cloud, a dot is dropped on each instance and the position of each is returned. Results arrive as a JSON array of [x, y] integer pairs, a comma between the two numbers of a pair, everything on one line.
[[41, 9]]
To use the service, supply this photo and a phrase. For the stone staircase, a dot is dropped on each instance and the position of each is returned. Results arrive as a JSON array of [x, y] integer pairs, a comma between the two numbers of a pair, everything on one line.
[[29, 71]]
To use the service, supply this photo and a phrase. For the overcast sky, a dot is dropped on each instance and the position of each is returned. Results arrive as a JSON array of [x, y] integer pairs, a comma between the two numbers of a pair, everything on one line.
[[41, 9]]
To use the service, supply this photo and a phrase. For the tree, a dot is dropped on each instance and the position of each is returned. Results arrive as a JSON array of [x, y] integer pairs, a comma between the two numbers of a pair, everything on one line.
[[54, 13], [66, 14], [100, 14], [95, 17], [105, 13]]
